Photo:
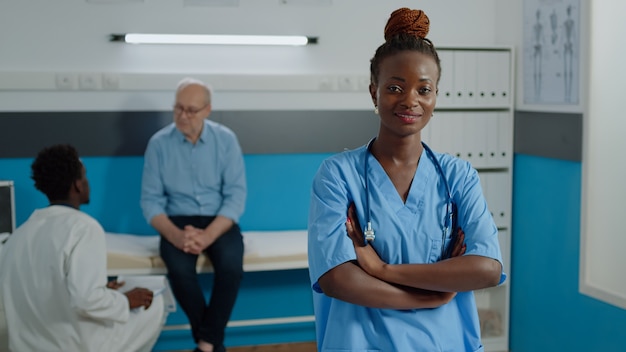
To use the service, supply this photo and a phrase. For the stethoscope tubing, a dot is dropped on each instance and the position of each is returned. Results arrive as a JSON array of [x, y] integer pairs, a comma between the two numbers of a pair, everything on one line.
[[368, 231]]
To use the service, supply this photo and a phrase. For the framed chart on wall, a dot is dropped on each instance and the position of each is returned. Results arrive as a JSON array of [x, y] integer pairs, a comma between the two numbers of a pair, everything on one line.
[[552, 54]]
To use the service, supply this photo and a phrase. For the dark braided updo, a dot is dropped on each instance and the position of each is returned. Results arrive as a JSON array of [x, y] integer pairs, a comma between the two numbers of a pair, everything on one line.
[[406, 30]]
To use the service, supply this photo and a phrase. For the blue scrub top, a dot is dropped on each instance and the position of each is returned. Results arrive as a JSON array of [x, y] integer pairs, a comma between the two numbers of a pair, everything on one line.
[[408, 232]]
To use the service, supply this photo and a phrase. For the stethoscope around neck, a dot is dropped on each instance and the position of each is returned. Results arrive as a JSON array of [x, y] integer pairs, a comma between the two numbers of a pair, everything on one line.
[[449, 217]]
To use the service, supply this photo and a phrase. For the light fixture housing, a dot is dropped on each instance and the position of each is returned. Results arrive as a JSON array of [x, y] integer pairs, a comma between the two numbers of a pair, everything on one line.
[[211, 39]]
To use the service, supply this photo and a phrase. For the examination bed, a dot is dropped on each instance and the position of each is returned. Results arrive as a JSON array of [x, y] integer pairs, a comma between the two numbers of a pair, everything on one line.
[[129, 254]]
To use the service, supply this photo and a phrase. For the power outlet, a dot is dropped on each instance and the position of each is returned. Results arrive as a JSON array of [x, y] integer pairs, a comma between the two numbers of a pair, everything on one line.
[[347, 83], [110, 81], [66, 81], [327, 84], [89, 81]]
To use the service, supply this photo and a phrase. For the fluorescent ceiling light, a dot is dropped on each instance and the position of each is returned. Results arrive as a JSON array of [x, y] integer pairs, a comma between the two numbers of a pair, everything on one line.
[[138, 38], [216, 3], [306, 2]]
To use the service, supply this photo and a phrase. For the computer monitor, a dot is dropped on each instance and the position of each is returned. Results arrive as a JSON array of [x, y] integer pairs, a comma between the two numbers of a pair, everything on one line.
[[7, 207]]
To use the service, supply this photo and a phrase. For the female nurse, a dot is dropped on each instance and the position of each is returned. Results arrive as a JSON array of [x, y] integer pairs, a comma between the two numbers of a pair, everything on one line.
[[400, 235]]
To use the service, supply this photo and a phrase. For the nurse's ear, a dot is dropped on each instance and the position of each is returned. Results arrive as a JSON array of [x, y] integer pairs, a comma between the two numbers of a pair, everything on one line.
[[373, 88]]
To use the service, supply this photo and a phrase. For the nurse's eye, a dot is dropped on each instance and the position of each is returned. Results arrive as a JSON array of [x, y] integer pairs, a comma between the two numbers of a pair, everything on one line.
[[395, 89], [425, 90]]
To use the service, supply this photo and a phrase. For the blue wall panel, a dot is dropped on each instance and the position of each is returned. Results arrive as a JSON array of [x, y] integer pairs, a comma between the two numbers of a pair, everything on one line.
[[279, 186]]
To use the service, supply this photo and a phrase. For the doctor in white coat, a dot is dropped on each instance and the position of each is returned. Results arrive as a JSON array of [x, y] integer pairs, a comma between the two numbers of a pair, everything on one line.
[[54, 291]]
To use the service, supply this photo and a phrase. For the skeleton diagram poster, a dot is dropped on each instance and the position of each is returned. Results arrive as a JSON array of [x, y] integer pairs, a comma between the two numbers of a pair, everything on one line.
[[551, 51]]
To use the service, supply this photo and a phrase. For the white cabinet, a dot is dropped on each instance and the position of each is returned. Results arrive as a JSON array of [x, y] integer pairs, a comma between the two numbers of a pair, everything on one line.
[[474, 121]]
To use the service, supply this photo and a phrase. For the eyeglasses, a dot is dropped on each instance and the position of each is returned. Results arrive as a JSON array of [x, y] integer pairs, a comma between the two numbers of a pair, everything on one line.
[[191, 111]]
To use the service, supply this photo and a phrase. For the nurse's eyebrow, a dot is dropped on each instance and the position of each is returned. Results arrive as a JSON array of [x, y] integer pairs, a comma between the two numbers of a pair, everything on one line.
[[423, 79]]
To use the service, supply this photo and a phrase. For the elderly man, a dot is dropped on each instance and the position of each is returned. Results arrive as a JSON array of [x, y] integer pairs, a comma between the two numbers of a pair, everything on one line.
[[193, 194]]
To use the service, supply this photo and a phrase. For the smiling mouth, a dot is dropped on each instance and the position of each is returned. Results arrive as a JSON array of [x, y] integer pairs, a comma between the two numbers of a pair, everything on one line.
[[408, 118]]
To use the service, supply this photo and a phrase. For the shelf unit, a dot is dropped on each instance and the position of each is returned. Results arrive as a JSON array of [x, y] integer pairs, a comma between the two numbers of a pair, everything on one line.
[[474, 121]]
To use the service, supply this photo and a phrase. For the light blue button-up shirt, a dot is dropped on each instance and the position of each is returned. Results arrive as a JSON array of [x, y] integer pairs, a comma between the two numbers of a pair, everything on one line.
[[206, 178]]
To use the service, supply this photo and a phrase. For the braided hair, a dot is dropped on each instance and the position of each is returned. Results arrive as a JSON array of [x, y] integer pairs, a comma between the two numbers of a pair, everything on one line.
[[55, 169], [406, 30]]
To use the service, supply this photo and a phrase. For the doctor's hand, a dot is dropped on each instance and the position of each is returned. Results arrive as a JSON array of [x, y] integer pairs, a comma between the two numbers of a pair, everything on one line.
[[114, 284], [366, 256], [139, 297]]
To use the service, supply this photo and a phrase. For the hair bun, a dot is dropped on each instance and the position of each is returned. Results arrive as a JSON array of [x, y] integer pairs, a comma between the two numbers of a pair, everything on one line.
[[405, 20]]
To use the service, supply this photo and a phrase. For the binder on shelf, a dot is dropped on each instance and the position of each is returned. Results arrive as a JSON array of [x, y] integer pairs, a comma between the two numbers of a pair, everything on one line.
[[502, 73], [485, 83], [445, 98], [470, 79], [505, 138], [491, 131]]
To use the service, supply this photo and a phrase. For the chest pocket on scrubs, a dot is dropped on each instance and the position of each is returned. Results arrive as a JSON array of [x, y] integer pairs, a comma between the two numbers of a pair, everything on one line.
[[435, 250]]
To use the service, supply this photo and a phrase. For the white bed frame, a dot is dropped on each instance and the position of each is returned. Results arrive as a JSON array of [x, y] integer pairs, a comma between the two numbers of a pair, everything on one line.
[[264, 251]]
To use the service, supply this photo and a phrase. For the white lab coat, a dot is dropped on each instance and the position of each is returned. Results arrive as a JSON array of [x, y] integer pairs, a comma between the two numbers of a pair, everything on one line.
[[54, 294]]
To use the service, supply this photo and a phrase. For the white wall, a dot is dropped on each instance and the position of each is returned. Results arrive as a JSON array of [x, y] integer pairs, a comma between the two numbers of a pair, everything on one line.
[[41, 38], [603, 237]]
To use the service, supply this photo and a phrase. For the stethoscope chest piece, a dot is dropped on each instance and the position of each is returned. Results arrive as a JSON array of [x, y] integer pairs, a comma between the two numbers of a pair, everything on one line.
[[369, 232]]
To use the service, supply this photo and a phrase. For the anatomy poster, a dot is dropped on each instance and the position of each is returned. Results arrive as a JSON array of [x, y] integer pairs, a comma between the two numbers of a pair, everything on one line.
[[551, 51]]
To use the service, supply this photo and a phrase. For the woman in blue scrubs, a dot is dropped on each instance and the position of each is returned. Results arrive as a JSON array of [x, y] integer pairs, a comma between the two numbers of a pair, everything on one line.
[[409, 286]]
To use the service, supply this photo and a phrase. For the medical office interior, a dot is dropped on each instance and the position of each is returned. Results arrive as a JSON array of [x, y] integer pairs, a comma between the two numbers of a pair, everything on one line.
[[543, 166]]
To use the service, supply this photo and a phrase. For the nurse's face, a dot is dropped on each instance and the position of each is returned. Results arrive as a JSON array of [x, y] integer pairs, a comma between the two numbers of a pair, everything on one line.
[[406, 92]]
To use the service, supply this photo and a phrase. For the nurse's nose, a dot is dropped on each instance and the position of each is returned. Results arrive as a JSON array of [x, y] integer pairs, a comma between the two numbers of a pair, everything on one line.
[[411, 100]]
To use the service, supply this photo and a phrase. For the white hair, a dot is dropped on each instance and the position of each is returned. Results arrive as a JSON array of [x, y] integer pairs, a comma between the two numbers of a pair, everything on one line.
[[188, 81]]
